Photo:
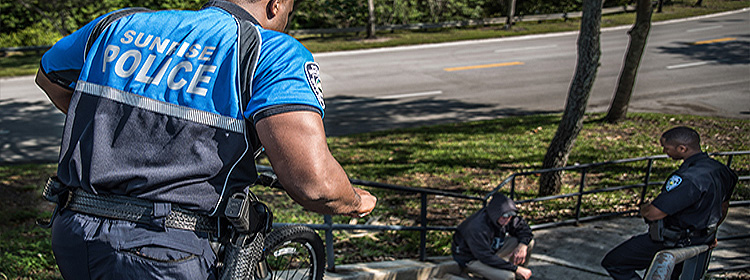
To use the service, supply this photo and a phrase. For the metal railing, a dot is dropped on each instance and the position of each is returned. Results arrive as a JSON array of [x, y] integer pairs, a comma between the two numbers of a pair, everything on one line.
[[662, 266], [584, 169], [328, 226]]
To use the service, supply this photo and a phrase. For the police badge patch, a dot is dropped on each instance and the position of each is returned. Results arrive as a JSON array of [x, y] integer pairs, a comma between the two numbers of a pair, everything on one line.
[[673, 182], [312, 71]]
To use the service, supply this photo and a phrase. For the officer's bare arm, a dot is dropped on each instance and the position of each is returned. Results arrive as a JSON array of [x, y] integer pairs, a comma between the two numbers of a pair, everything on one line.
[[296, 145], [59, 95], [651, 213]]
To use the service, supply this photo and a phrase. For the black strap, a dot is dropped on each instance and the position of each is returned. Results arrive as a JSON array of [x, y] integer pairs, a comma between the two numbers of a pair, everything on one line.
[[108, 20], [249, 49], [138, 211]]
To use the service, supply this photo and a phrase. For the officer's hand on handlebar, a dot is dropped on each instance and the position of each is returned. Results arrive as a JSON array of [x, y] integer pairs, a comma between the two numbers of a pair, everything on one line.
[[366, 204]]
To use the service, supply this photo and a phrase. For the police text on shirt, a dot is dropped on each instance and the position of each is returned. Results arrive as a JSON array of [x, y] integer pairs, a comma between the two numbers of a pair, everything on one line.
[[124, 68]]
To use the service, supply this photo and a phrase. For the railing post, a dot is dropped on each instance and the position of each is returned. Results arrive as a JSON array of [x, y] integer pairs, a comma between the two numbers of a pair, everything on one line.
[[729, 161], [647, 180], [580, 195], [331, 259], [513, 187], [423, 231]]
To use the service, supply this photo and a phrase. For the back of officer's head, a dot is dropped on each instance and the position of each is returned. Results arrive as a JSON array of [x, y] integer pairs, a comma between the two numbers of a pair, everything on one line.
[[682, 135]]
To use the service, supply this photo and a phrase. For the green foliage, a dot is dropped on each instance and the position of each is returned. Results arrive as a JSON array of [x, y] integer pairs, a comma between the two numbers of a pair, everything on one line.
[[329, 14], [35, 35], [314, 14], [14, 17], [22, 20]]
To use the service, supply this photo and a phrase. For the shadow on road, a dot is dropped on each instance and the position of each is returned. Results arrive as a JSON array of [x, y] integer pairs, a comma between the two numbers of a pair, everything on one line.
[[29, 132], [351, 115], [732, 52]]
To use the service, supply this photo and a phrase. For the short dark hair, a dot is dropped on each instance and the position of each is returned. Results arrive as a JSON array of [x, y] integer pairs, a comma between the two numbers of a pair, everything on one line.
[[682, 135]]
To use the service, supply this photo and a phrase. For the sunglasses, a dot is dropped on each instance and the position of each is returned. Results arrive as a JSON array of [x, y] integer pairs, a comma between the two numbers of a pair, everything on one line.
[[508, 214]]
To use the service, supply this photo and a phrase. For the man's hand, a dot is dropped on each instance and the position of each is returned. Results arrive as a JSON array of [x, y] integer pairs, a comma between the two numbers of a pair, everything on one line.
[[525, 273], [519, 254], [366, 205], [713, 244]]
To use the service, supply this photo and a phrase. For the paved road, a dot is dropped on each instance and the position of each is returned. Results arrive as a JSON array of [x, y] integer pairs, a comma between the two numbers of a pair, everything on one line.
[[30, 127], [440, 83], [419, 85]]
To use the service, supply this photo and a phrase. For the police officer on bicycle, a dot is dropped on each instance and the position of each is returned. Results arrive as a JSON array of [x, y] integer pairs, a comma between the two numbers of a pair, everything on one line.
[[693, 202], [165, 111]]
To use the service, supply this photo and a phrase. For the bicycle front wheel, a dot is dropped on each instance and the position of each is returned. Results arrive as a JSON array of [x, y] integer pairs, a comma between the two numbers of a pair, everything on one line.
[[294, 253]]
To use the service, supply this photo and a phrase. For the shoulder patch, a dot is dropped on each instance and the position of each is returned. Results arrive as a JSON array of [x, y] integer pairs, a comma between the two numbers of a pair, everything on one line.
[[312, 71], [673, 182]]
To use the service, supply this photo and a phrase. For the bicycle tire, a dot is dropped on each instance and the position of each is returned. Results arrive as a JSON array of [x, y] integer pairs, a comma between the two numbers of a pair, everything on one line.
[[294, 252]]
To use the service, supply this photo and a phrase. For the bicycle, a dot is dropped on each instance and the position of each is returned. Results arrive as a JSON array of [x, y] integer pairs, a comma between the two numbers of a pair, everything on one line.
[[292, 252]]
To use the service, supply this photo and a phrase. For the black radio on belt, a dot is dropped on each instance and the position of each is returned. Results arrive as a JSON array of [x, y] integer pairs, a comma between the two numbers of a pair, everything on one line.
[[240, 211]]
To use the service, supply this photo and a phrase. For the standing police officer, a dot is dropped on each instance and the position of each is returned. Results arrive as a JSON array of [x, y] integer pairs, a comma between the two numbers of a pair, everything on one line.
[[164, 113], [692, 204]]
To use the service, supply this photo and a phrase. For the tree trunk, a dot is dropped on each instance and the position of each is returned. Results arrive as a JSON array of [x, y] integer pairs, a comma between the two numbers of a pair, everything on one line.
[[511, 13], [638, 37], [659, 6], [699, 3], [589, 52], [371, 19]]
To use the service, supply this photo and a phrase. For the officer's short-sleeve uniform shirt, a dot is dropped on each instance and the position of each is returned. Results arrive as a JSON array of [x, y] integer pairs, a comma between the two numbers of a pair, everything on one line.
[[164, 101], [693, 194]]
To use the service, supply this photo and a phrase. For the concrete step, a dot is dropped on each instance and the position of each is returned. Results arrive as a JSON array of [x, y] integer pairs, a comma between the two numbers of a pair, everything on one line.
[[396, 270]]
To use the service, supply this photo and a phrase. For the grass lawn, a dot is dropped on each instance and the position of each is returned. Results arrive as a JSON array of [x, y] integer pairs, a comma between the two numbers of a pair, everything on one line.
[[469, 158]]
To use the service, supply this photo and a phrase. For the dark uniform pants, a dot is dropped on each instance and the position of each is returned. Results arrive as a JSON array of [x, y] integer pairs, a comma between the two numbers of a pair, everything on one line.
[[634, 254], [89, 247]]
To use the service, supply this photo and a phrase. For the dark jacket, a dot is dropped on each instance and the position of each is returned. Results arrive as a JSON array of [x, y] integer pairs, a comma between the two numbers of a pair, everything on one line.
[[475, 236]]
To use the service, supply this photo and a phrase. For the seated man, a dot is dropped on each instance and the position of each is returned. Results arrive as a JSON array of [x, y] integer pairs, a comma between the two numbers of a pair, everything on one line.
[[494, 242]]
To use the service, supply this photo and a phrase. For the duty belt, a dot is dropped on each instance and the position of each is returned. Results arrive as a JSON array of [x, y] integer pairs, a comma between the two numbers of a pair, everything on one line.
[[125, 208]]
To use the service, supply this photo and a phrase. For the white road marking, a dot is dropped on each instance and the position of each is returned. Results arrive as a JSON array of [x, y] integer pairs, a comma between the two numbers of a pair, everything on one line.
[[687, 65], [407, 95], [526, 48], [705, 28]]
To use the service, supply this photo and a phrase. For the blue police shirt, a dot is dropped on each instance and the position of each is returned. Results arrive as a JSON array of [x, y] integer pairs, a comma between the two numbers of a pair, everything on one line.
[[161, 100]]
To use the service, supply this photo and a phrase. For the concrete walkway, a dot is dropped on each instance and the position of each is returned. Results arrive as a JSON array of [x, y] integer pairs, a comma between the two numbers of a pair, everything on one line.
[[567, 252]]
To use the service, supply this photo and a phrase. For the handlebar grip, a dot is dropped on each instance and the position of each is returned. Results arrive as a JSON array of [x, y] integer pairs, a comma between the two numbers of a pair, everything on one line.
[[269, 179]]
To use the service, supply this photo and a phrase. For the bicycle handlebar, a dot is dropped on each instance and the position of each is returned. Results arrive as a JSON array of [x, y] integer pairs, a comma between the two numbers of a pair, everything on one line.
[[269, 179]]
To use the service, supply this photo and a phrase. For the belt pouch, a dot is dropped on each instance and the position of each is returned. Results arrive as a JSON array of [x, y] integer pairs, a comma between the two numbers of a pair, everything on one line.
[[656, 230]]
